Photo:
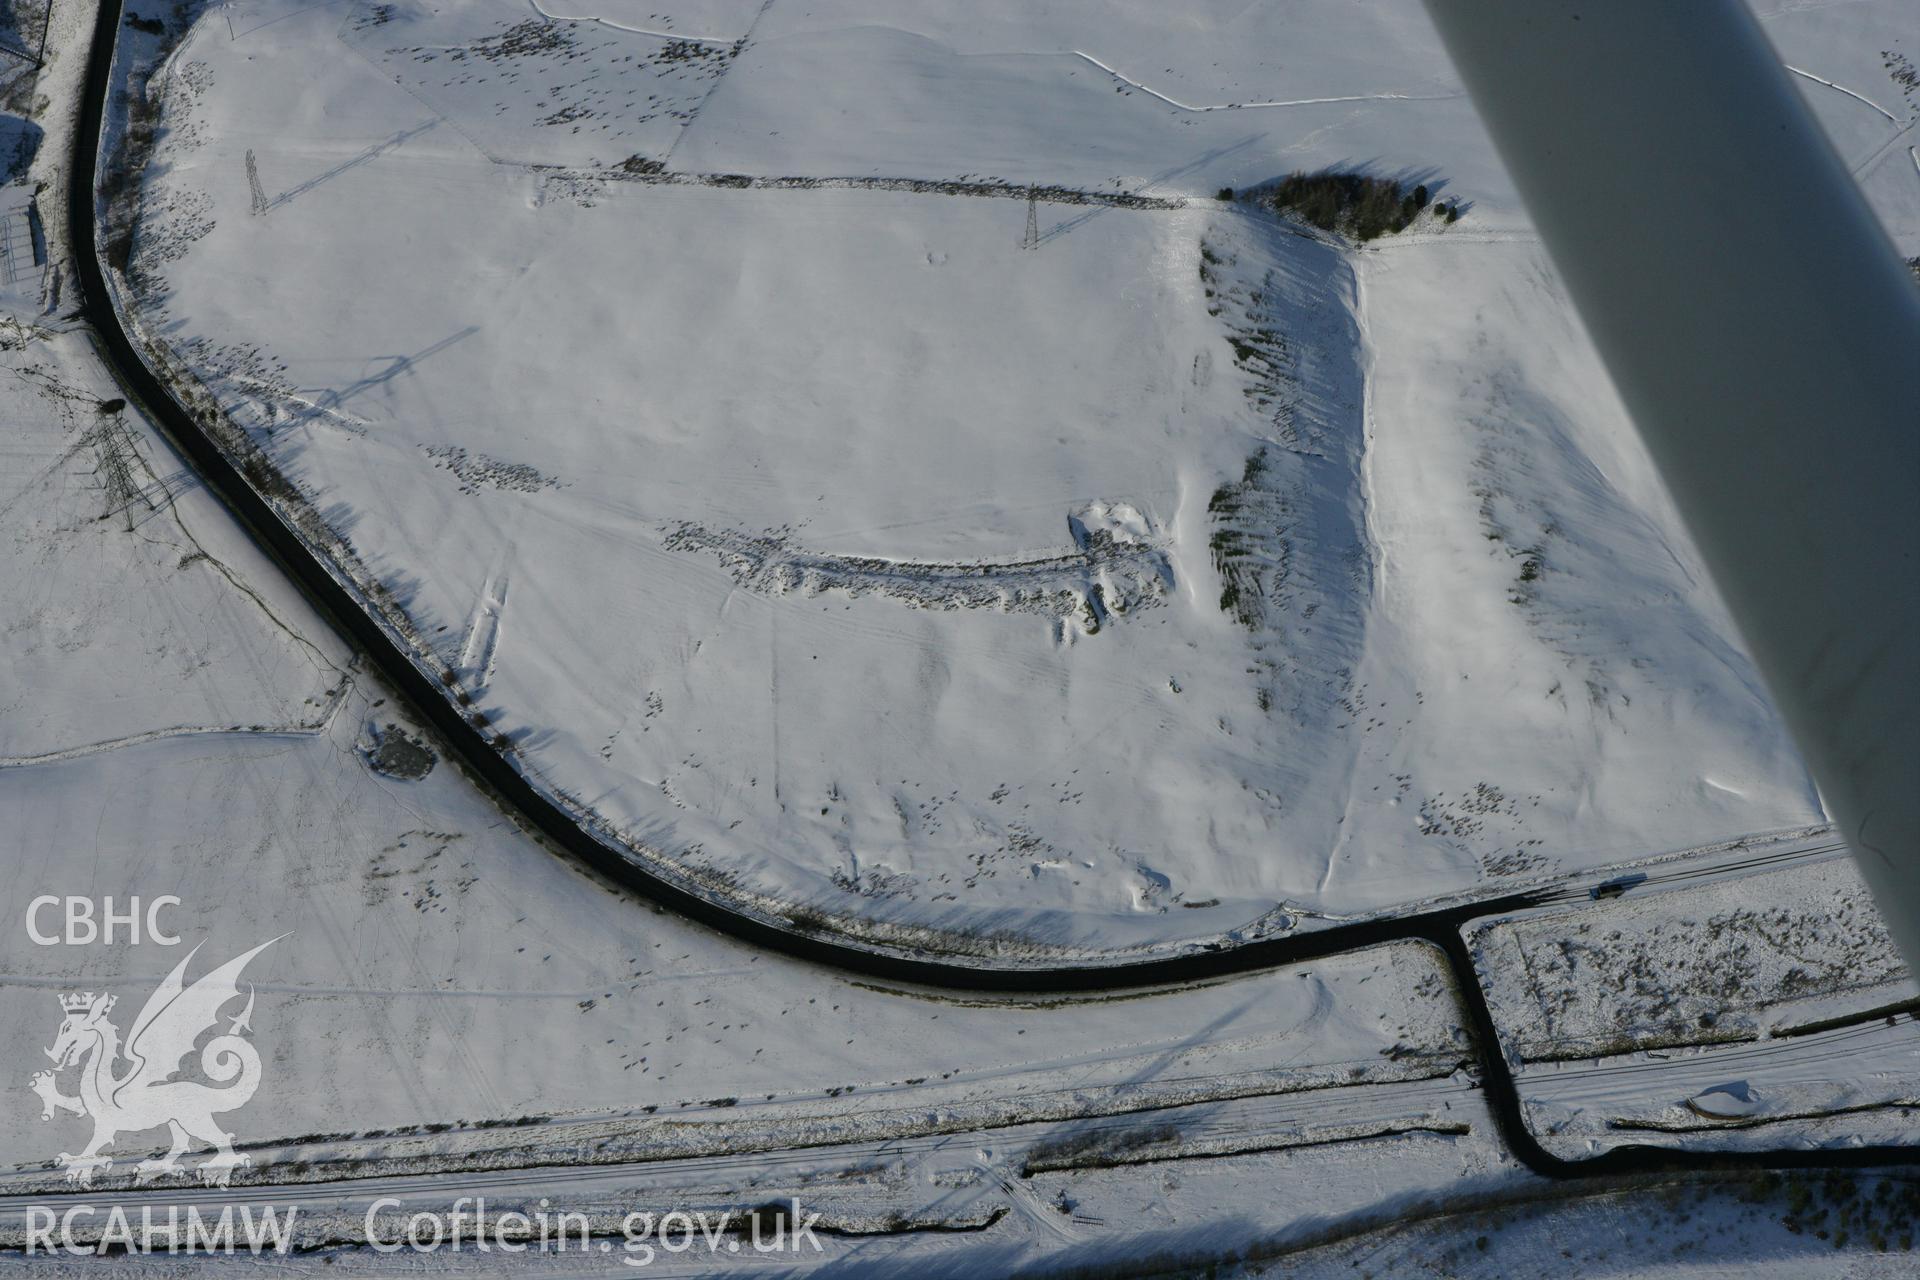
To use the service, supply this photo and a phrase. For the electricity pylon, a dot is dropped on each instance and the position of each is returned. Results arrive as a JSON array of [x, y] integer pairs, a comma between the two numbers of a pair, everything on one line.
[[114, 447], [253, 181]]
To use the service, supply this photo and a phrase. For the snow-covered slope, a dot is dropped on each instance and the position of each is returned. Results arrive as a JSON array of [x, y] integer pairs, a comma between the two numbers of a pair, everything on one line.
[[694, 387], [119, 625]]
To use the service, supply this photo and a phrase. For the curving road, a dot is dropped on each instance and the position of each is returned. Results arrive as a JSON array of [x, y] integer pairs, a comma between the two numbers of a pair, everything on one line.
[[474, 747], [512, 790]]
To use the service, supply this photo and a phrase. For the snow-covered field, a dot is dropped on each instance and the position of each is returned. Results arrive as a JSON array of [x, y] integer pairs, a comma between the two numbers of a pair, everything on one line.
[[1849, 1086], [1725, 1227], [1182, 576], [1162, 575], [1694, 956], [450, 1010], [118, 624], [1749, 998]]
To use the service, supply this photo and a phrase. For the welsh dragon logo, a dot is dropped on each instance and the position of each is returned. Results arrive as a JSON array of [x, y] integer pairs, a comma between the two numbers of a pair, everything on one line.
[[144, 1093]]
